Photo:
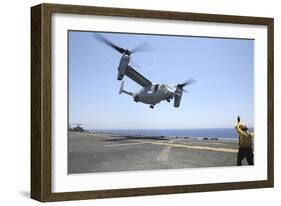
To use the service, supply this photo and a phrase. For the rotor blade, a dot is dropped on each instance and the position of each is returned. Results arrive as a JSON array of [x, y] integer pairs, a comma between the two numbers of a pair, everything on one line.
[[134, 64], [107, 42], [189, 81], [143, 47], [139, 66], [184, 90]]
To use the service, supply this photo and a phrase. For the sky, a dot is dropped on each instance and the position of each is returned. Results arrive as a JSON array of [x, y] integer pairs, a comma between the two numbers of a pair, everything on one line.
[[222, 68]]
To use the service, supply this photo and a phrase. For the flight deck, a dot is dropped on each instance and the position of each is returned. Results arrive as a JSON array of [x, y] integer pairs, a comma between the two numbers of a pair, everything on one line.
[[100, 152]]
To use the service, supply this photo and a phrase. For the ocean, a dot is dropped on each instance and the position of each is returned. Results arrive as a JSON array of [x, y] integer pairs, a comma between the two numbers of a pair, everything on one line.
[[199, 133]]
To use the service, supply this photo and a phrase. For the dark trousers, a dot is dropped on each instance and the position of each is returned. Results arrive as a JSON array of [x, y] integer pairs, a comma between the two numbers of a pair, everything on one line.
[[245, 152]]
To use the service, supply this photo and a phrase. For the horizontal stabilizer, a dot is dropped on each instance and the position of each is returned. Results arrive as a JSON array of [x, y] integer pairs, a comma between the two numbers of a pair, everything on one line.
[[121, 90]]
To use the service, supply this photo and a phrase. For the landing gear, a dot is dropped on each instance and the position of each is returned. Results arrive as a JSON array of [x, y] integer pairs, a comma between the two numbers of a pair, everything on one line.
[[151, 106]]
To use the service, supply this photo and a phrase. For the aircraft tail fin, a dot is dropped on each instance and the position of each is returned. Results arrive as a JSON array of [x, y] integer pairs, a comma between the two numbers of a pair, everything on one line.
[[121, 90], [121, 87]]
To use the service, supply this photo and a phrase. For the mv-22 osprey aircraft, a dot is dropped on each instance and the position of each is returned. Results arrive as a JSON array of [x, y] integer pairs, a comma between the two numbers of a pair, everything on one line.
[[150, 93]]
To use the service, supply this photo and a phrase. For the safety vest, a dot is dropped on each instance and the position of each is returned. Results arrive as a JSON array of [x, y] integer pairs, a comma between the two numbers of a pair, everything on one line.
[[245, 138]]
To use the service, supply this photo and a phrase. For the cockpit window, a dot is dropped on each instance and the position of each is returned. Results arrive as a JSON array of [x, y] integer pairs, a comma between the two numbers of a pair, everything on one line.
[[156, 87], [162, 86]]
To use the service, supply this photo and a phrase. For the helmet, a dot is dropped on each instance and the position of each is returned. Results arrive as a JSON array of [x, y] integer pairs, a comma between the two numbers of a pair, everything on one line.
[[243, 126]]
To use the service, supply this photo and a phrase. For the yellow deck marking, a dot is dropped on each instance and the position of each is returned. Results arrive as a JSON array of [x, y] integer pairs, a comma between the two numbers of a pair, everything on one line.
[[215, 149], [164, 155], [125, 144]]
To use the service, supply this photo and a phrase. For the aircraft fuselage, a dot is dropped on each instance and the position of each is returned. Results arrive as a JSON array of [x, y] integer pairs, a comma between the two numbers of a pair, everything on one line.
[[154, 95]]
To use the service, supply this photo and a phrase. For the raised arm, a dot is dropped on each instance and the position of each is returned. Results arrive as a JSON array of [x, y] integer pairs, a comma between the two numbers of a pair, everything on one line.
[[237, 127]]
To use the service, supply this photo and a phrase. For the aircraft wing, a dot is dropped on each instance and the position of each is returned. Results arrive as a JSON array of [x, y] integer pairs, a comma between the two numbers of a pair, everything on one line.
[[137, 77]]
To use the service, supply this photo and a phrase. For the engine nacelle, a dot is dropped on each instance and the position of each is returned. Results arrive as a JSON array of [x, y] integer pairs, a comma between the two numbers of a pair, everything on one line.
[[178, 96], [121, 72], [123, 65]]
